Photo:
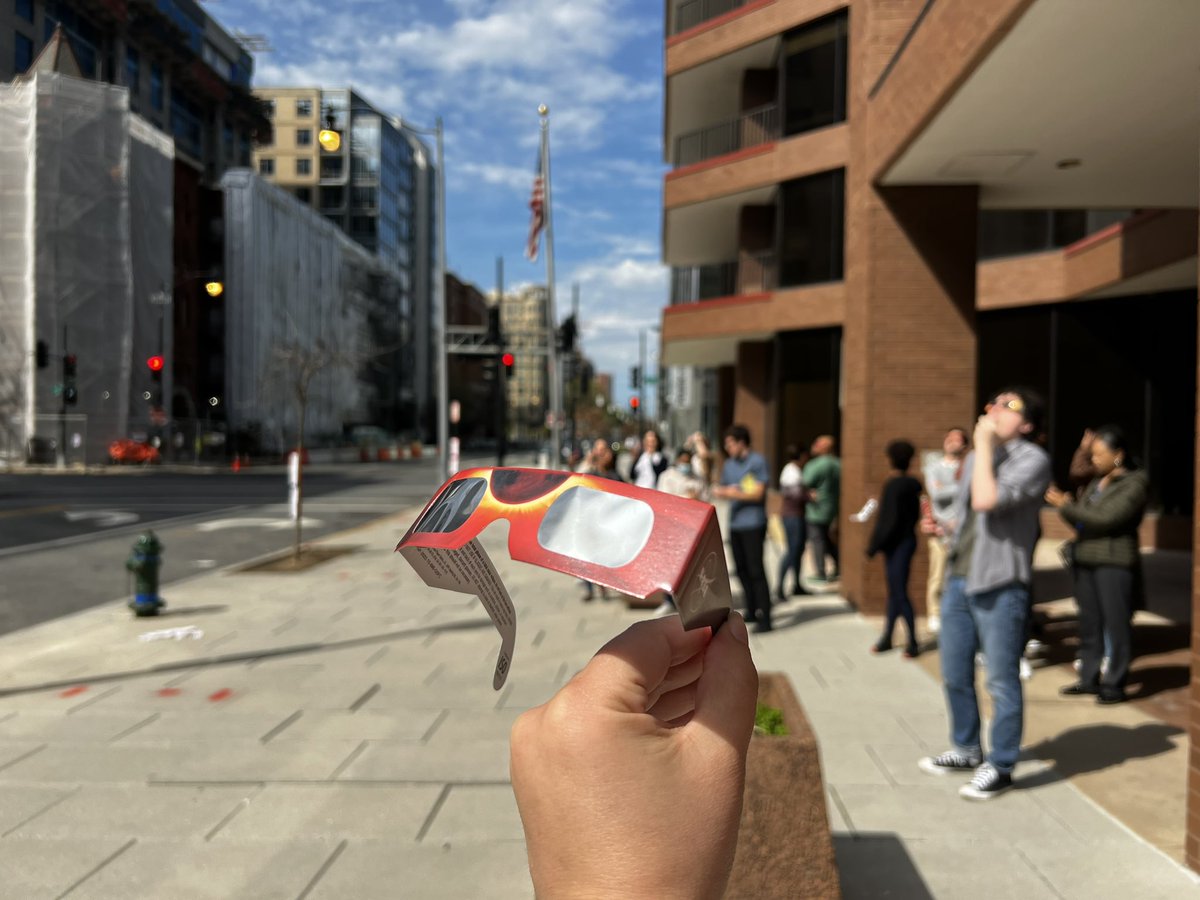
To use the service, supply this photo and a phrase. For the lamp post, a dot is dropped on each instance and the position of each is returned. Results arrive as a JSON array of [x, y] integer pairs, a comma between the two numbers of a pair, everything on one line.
[[443, 376]]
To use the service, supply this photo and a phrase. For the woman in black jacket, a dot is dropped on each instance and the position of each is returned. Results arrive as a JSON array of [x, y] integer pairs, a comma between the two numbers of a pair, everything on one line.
[[1107, 563], [895, 535]]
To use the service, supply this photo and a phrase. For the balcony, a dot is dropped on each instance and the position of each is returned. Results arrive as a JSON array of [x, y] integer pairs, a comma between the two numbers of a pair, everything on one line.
[[750, 129], [691, 13], [752, 273]]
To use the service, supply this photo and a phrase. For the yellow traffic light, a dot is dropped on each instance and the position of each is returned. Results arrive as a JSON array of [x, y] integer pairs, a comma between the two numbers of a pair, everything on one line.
[[214, 288], [329, 140]]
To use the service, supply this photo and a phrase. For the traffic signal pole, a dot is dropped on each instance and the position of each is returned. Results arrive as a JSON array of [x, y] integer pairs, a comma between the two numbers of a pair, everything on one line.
[[641, 381], [61, 460]]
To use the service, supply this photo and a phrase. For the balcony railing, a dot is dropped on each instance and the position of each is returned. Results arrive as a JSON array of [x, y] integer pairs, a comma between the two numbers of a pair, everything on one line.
[[691, 13], [752, 273], [751, 128]]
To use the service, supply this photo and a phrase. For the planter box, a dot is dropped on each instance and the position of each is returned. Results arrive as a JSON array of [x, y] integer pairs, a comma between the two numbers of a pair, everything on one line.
[[785, 849]]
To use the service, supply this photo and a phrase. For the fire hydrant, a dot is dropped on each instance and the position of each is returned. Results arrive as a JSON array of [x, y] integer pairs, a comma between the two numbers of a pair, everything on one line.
[[144, 563]]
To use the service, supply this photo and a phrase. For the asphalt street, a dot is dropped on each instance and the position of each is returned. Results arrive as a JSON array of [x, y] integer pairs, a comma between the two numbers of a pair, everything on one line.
[[64, 538]]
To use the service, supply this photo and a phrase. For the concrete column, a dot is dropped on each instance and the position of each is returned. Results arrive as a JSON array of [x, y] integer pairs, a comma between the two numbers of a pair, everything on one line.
[[909, 346]]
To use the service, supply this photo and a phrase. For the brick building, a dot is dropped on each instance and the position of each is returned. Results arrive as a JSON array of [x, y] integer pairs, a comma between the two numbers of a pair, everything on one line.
[[881, 211]]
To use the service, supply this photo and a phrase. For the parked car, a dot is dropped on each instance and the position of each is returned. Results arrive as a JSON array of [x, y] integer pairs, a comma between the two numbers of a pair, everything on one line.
[[127, 450]]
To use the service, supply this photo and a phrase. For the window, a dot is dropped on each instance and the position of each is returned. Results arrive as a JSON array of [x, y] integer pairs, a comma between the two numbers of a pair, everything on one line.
[[304, 194], [364, 197], [304, 167], [133, 66], [333, 197], [303, 137], [25, 9], [23, 54], [814, 75], [332, 166], [810, 246], [156, 86], [303, 109], [266, 166], [269, 108], [363, 225]]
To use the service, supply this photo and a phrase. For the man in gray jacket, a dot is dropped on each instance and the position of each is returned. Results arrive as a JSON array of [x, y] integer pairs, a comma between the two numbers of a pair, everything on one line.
[[985, 603]]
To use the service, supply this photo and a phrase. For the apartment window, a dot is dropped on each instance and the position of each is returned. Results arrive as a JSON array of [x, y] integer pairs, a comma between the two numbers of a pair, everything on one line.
[[363, 225], [24, 10], [156, 86], [304, 194], [266, 166], [333, 197], [304, 167], [133, 67], [364, 197], [332, 166], [269, 108], [814, 75], [303, 137], [303, 109], [810, 229], [22, 54]]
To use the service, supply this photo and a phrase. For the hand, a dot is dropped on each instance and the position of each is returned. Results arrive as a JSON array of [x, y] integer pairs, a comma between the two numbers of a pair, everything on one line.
[[928, 526], [629, 781], [985, 432], [1056, 498], [1085, 442]]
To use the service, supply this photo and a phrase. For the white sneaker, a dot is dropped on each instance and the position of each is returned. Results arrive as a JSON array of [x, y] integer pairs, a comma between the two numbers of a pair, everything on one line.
[[1104, 666], [933, 624], [987, 784], [666, 608], [1034, 647], [1026, 669]]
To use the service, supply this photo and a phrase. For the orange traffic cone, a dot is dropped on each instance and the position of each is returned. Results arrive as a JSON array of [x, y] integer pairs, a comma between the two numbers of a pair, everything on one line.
[[237, 464]]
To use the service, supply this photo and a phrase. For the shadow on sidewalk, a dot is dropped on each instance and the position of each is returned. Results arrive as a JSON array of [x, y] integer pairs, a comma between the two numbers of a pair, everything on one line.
[[877, 865], [1093, 748], [802, 614], [209, 610], [245, 656]]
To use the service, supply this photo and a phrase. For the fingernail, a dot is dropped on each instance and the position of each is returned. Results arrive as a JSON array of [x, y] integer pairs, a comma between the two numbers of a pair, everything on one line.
[[736, 626]]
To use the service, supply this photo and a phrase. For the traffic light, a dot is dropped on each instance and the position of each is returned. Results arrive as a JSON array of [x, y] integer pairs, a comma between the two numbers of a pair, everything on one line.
[[634, 403], [507, 361], [214, 288], [635, 377], [42, 355], [155, 365], [70, 394]]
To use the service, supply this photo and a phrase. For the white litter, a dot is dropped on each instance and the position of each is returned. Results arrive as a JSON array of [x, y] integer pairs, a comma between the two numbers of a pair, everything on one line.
[[175, 634]]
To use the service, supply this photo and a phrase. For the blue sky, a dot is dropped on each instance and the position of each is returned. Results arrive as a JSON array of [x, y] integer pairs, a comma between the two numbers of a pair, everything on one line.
[[484, 66]]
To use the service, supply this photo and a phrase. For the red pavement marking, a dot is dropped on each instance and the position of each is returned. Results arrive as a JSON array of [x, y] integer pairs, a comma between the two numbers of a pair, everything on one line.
[[169, 692], [75, 691], [222, 694]]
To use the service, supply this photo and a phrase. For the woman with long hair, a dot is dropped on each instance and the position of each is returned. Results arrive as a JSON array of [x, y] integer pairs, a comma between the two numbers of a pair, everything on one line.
[[1106, 563]]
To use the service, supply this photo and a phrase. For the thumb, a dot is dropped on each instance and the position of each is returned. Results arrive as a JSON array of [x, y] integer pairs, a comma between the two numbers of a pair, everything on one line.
[[727, 692]]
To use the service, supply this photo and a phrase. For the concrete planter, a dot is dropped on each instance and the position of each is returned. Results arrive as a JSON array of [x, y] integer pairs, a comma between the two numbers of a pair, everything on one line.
[[785, 849]]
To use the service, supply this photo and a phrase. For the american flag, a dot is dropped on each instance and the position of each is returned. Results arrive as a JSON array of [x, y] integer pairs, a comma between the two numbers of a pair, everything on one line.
[[537, 212]]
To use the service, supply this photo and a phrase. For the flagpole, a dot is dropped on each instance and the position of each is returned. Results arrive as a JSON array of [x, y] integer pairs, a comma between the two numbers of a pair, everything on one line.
[[551, 313]]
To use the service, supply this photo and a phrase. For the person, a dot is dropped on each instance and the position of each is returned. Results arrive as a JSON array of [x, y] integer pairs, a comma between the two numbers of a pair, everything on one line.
[[1106, 563], [942, 475], [644, 752], [823, 481], [791, 490], [895, 536], [650, 462], [702, 456], [601, 463], [680, 481], [744, 481], [985, 604]]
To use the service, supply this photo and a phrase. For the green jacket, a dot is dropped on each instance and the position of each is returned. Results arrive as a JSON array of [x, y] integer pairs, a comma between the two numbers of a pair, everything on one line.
[[824, 476], [1106, 524]]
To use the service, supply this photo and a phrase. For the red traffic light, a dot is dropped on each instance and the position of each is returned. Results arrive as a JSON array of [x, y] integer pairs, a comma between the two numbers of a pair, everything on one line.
[[155, 363], [634, 402], [508, 360]]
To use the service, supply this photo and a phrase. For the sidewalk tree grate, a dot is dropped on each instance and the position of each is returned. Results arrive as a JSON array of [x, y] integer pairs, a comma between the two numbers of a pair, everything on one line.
[[287, 562]]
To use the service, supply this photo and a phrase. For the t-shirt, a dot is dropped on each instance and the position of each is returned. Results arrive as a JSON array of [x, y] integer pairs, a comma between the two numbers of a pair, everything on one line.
[[823, 476], [744, 514], [647, 468], [791, 488]]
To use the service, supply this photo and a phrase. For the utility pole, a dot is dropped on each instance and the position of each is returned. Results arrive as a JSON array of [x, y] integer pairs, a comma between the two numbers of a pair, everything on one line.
[[501, 387], [641, 380], [61, 460], [573, 368]]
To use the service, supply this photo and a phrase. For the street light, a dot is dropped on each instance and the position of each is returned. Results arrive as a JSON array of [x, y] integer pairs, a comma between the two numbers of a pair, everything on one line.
[[214, 288], [329, 137]]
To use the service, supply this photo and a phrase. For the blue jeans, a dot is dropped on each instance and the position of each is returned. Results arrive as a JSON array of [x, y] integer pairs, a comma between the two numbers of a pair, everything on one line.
[[994, 622], [793, 528]]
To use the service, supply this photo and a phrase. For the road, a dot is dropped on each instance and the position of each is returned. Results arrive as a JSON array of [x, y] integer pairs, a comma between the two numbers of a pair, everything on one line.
[[64, 538]]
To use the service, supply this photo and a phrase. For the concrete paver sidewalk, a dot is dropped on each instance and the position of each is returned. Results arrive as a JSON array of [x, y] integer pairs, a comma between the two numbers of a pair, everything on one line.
[[334, 734]]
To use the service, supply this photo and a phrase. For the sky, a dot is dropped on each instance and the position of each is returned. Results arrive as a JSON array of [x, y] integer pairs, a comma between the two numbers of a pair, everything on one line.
[[484, 66]]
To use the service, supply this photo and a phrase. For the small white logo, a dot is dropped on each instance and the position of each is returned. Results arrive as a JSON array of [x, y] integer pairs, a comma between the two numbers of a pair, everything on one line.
[[707, 574]]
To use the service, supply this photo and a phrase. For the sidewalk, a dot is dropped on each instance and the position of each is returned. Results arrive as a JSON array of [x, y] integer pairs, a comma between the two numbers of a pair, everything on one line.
[[334, 735]]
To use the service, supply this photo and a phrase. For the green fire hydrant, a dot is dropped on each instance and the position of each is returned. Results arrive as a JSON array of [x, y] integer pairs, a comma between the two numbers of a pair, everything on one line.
[[144, 563]]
